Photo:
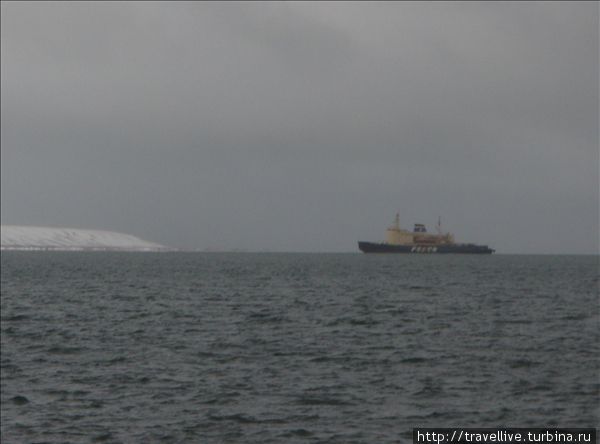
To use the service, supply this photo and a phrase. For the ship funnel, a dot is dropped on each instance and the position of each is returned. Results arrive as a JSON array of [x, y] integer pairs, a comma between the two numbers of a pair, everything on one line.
[[420, 228]]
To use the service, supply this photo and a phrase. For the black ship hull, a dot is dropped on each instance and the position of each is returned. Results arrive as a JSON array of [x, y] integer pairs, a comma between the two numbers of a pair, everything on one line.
[[370, 247]]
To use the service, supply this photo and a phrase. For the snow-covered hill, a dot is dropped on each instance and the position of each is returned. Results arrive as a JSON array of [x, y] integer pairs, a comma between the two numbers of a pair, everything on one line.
[[15, 237]]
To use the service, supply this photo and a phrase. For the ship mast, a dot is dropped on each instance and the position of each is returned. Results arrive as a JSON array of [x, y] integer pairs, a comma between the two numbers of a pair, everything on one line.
[[439, 225]]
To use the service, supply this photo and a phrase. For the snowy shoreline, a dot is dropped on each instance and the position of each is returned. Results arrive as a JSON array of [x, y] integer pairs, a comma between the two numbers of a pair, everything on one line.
[[29, 238]]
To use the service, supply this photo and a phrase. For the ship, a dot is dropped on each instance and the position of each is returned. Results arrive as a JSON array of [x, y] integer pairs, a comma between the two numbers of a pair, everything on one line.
[[399, 240]]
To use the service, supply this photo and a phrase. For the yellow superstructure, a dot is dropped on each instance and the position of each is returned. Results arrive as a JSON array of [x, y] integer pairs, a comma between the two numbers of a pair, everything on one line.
[[395, 235]]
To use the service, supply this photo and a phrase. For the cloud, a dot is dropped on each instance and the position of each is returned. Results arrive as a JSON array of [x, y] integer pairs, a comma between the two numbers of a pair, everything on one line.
[[303, 126]]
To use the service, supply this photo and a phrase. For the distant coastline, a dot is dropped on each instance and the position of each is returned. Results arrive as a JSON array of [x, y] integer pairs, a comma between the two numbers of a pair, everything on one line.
[[33, 238]]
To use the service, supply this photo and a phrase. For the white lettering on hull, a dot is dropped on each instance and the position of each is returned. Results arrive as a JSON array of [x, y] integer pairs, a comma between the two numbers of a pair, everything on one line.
[[423, 250]]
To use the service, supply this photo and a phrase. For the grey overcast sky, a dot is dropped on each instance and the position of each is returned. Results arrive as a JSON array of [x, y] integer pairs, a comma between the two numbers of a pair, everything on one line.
[[303, 126]]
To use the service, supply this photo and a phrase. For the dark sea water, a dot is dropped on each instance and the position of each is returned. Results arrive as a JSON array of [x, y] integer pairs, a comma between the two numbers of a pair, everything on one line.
[[340, 348]]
